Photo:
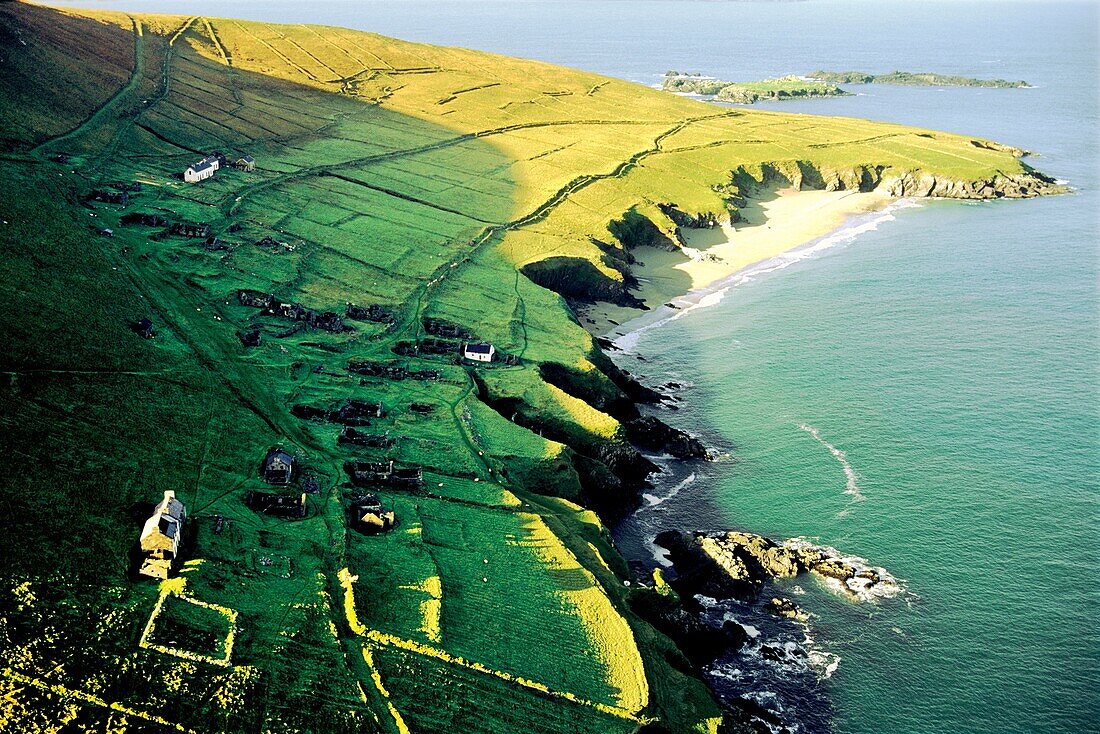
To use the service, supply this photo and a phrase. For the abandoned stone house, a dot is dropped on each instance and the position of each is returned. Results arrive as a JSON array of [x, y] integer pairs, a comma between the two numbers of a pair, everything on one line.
[[245, 163], [144, 328], [255, 299], [368, 515], [373, 312], [350, 436], [368, 473], [110, 197], [189, 229], [479, 352], [277, 505], [161, 536], [278, 467]]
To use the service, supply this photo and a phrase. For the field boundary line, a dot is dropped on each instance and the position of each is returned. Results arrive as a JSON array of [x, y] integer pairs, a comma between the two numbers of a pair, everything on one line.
[[88, 698], [388, 640]]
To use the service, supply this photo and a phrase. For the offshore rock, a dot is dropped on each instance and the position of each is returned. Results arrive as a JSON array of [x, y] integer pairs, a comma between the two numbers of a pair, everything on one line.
[[709, 571]]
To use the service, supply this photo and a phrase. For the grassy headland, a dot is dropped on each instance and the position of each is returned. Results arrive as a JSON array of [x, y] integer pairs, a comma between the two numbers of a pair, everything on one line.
[[443, 186], [783, 88]]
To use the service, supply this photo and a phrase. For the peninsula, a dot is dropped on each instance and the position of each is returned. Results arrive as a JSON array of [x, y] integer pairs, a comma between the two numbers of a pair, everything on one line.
[[302, 430], [910, 79], [783, 88]]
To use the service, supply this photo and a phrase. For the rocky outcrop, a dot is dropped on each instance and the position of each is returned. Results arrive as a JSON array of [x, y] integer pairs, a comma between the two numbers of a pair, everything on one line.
[[579, 281], [695, 220], [745, 561], [774, 560], [680, 621], [653, 434]]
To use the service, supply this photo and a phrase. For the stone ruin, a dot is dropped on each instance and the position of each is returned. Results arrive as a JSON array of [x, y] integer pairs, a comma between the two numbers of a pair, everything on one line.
[[390, 371], [189, 229], [350, 436], [271, 306], [110, 197], [447, 329], [289, 506], [384, 474], [351, 413], [429, 345], [374, 312]]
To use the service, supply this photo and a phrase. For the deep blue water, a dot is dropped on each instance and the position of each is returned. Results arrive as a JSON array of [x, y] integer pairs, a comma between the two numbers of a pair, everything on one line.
[[951, 354]]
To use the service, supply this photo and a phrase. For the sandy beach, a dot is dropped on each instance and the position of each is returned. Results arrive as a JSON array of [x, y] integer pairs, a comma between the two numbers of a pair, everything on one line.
[[773, 224]]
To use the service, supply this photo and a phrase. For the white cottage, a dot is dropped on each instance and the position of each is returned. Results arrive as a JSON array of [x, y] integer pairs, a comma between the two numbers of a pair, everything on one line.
[[202, 170], [482, 352], [160, 538]]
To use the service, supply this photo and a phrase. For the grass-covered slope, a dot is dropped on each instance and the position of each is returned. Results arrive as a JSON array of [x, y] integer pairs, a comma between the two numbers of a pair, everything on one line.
[[426, 181]]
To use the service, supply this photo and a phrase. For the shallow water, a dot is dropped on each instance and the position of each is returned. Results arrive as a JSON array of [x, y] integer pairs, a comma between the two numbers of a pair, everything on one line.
[[924, 395]]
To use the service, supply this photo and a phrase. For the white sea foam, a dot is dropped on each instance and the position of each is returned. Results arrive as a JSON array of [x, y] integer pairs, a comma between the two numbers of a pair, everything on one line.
[[653, 501], [851, 485], [632, 331], [660, 554]]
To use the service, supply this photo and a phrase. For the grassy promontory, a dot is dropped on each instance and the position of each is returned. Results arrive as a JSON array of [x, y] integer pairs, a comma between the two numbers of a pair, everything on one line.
[[445, 187], [783, 88]]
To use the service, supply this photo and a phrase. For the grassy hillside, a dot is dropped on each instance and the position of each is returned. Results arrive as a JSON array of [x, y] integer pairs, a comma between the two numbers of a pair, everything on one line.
[[429, 182]]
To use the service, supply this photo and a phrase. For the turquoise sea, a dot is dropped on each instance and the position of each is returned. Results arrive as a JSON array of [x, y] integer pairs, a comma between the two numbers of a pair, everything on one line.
[[924, 393]]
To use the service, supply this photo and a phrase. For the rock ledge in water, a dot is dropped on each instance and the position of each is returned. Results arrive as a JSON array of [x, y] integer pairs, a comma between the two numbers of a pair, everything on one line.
[[737, 564]]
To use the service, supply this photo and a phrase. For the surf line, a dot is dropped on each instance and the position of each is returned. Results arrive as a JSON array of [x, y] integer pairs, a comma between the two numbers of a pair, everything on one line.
[[851, 486]]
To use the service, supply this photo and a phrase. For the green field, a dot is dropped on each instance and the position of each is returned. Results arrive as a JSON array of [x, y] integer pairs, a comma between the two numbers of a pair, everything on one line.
[[426, 180]]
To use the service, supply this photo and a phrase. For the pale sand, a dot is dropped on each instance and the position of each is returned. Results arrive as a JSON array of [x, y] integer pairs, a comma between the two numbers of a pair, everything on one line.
[[774, 224]]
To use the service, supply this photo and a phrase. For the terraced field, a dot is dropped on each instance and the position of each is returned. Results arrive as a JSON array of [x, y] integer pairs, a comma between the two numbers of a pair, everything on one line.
[[432, 184]]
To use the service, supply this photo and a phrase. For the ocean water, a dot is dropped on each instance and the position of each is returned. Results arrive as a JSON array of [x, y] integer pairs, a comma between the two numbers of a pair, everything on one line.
[[923, 393]]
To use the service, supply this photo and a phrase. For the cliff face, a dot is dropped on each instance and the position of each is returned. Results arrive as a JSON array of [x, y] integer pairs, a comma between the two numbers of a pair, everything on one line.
[[1015, 186]]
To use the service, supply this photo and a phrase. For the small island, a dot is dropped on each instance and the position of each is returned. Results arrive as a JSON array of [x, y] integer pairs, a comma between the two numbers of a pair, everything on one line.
[[783, 88], [911, 79]]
